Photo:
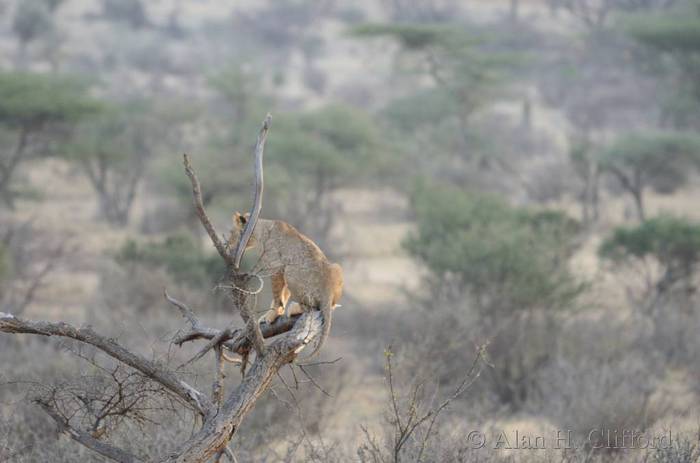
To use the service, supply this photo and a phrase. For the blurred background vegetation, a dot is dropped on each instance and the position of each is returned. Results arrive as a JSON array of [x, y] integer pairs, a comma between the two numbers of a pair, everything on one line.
[[520, 173]]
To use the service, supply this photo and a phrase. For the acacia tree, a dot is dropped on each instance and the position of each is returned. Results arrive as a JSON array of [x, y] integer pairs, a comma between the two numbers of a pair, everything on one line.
[[30, 105], [674, 243], [113, 150], [663, 255], [590, 82], [657, 160], [221, 414]]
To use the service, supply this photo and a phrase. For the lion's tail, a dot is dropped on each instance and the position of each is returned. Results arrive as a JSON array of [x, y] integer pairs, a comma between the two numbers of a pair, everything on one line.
[[327, 314]]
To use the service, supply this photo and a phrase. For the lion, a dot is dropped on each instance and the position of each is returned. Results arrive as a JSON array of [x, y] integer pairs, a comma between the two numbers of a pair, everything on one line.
[[299, 270]]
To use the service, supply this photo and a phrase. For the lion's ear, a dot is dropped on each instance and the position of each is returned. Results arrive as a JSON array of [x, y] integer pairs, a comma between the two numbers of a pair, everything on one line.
[[239, 220], [244, 219]]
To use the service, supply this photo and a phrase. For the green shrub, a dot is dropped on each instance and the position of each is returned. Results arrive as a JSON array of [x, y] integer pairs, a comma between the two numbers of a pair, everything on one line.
[[673, 242], [506, 255], [659, 160]]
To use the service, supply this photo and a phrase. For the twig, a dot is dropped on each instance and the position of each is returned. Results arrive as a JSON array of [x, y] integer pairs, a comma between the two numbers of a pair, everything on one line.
[[376, 451], [103, 448], [324, 362], [300, 415], [313, 381]]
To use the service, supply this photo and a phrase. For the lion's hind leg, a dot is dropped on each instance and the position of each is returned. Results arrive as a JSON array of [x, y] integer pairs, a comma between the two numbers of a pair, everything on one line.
[[280, 297]]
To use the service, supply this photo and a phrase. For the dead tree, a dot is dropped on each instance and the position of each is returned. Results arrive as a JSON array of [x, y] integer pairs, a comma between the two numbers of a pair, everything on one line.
[[221, 413]]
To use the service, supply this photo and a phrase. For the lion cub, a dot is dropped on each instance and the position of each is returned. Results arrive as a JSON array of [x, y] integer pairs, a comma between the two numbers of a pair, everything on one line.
[[299, 270]]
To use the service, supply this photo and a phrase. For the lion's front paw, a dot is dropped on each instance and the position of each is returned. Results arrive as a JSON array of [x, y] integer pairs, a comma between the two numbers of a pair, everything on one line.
[[270, 316], [295, 309]]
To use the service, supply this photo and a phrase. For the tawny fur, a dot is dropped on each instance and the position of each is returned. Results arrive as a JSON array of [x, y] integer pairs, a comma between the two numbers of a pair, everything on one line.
[[299, 270]]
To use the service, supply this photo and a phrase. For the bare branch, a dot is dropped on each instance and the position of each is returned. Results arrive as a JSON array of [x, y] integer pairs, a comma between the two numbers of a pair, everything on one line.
[[257, 200], [84, 438], [202, 214], [13, 325], [186, 312], [324, 362], [313, 381]]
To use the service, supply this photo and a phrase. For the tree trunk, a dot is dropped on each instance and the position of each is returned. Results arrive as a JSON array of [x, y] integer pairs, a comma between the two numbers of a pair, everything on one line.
[[113, 209]]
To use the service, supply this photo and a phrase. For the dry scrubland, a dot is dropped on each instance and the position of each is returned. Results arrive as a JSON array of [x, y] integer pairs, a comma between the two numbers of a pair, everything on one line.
[[598, 363]]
